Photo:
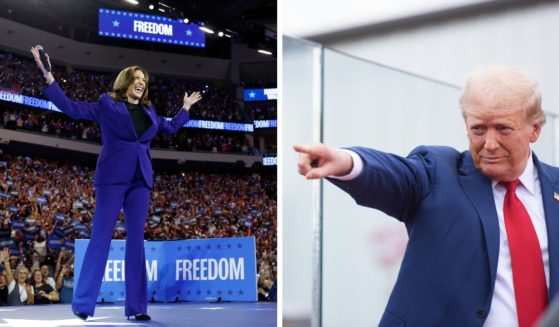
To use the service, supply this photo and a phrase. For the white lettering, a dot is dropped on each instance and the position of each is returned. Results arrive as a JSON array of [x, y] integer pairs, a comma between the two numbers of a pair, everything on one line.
[[271, 94], [211, 124], [196, 268], [238, 271], [210, 269], [270, 161], [151, 270], [153, 28], [115, 270], [11, 97], [261, 123], [185, 267], [203, 268], [223, 269], [108, 271]]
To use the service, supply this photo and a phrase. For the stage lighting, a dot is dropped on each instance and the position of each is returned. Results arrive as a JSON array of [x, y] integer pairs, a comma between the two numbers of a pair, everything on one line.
[[134, 2], [227, 35], [207, 30], [161, 9], [220, 34], [185, 20], [151, 7], [266, 52]]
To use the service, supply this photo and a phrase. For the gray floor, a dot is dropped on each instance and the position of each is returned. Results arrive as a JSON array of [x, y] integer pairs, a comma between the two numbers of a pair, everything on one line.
[[168, 314]]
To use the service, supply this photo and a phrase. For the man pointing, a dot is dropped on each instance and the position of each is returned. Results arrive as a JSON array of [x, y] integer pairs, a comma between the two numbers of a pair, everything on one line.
[[483, 224]]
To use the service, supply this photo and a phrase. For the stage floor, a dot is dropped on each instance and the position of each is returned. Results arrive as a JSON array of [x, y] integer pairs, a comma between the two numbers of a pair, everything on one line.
[[257, 314]]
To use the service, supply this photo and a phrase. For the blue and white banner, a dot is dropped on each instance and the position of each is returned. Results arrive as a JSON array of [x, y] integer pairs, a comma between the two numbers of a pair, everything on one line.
[[190, 270], [260, 94], [17, 224], [149, 28], [202, 124], [271, 123], [27, 100], [219, 125]]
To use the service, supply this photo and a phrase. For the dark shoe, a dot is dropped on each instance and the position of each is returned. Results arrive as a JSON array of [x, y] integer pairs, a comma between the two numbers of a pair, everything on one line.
[[80, 315], [140, 316]]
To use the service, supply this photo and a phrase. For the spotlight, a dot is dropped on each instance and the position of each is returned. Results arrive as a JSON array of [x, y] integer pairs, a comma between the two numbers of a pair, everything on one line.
[[220, 34], [151, 7], [134, 2], [186, 20], [207, 30], [266, 52], [161, 9], [227, 35]]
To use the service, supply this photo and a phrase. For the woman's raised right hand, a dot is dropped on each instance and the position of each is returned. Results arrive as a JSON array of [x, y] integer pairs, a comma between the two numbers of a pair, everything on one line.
[[48, 75]]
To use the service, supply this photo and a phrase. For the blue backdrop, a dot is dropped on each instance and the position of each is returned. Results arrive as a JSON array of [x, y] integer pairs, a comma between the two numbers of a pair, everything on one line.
[[190, 270], [149, 28]]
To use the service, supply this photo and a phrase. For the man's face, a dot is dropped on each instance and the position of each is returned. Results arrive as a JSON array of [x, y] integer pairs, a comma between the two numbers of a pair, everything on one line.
[[500, 144], [45, 270]]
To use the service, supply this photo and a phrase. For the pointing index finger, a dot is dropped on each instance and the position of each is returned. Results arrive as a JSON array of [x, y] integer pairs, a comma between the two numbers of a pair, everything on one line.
[[301, 148]]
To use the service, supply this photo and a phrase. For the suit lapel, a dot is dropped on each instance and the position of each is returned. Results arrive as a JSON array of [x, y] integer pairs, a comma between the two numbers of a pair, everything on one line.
[[550, 187], [478, 190], [150, 111]]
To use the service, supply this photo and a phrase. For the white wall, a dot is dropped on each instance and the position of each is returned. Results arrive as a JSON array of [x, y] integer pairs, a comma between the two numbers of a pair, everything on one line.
[[446, 50]]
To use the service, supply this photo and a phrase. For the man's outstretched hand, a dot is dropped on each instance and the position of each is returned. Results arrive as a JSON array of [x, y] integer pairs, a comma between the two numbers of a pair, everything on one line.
[[319, 161]]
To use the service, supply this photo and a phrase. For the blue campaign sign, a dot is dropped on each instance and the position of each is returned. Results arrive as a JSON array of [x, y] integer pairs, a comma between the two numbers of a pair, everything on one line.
[[149, 28], [260, 94], [190, 270]]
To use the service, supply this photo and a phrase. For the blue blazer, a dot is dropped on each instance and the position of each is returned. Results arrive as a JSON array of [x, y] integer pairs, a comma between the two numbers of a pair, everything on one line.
[[448, 271], [122, 149]]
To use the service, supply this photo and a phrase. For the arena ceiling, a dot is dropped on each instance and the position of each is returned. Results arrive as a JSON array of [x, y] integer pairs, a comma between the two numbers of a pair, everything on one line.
[[251, 22]]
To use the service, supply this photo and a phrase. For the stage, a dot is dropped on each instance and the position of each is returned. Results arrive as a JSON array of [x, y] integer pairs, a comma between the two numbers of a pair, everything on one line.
[[166, 314]]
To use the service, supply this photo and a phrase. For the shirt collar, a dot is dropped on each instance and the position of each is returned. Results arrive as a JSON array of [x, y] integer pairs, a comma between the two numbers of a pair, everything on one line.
[[528, 177]]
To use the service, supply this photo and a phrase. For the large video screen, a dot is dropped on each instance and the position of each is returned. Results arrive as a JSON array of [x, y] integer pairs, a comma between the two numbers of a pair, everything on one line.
[[149, 28]]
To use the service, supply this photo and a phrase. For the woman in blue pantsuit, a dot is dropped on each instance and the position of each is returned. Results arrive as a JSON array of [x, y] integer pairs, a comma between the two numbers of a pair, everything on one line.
[[123, 179]]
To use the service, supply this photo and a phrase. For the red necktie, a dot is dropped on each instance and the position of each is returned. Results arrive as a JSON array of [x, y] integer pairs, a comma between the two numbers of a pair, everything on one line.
[[530, 289]]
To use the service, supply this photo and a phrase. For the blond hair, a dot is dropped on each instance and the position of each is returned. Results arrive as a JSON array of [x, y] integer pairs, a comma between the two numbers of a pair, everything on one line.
[[19, 268], [500, 89], [126, 78]]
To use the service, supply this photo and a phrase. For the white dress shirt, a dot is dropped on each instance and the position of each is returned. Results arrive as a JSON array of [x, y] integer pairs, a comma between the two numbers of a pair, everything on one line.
[[503, 303]]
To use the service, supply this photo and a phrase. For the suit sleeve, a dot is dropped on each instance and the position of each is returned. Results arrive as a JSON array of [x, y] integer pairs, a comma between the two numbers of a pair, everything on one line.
[[74, 109], [390, 183], [172, 126]]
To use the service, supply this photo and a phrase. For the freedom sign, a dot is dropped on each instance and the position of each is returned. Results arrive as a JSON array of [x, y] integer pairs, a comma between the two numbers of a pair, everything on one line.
[[184, 270]]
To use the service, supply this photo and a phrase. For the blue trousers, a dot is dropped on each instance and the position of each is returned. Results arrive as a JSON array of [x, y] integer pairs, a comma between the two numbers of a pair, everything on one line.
[[134, 199]]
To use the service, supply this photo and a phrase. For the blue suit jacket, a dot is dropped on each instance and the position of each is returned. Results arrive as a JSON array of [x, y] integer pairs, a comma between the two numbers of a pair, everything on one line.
[[448, 272], [122, 149]]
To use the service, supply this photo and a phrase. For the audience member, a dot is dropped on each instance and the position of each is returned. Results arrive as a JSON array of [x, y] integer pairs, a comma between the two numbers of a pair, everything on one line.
[[43, 293]]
